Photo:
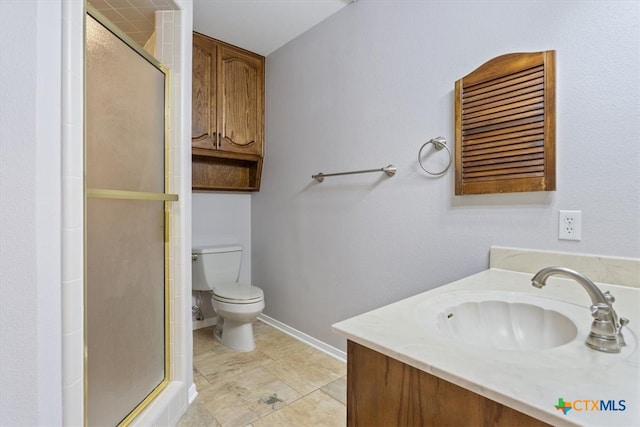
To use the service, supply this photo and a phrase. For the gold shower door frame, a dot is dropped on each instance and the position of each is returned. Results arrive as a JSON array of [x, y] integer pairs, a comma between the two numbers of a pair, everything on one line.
[[95, 195]]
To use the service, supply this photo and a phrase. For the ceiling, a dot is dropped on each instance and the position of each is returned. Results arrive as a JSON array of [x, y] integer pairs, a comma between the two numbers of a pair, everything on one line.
[[260, 26], [136, 18]]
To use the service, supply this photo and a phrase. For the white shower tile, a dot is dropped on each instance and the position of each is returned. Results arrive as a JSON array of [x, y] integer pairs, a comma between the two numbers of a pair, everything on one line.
[[162, 419], [73, 199], [71, 155], [167, 53], [74, 404], [177, 365], [73, 364], [167, 29], [176, 407], [178, 340], [72, 256], [177, 314], [168, 16], [74, 102], [73, 16], [72, 301]]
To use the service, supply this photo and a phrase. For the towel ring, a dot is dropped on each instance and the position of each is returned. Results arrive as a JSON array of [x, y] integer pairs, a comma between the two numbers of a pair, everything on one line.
[[438, 143]]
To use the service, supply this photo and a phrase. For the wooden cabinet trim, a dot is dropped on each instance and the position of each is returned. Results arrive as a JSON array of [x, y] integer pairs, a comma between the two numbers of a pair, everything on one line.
[[384, 392], [247, 136], [204, 96]]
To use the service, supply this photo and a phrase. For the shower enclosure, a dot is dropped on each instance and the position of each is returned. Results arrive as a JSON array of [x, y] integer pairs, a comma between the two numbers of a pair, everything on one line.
[[126, 208]]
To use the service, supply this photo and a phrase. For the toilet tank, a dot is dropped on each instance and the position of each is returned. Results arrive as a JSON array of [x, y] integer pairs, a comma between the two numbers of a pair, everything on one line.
[[212, 265]]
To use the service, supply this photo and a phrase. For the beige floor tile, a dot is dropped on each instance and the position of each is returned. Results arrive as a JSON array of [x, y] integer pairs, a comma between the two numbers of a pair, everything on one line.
[[197, 416], [315, 410], [245, 398], [274, 343], [307, 370], [337, 389], [199, 380], [203, 341], [217, 367], [260, 328], [264, 387]]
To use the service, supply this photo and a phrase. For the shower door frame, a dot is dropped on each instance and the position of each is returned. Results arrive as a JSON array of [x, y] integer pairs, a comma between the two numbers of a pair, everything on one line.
[[98, 193]]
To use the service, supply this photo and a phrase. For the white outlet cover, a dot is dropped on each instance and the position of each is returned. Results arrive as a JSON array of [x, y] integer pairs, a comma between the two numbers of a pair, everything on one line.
[[570, 225]]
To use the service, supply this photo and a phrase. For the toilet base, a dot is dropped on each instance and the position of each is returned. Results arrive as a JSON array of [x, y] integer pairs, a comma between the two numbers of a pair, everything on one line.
[[235, 335]]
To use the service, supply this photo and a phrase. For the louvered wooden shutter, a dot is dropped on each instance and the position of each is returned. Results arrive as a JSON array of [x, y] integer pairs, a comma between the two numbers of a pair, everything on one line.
[[505, 125]]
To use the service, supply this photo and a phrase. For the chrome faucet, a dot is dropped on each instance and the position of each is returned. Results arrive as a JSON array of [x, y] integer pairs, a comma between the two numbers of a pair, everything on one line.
[[606, 329]]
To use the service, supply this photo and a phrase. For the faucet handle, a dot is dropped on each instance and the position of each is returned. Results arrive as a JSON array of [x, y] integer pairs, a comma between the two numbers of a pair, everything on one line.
[[609, 297], [620, 338], [599, 309]]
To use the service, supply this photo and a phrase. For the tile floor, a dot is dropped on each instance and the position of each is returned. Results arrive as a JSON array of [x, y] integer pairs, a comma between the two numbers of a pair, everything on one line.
[[283, 382]]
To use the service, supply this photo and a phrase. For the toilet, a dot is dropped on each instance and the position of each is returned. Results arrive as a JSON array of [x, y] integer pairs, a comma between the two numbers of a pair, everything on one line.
[[216, 269]]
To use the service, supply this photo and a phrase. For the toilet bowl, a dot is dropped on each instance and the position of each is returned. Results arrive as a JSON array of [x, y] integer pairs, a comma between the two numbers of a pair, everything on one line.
[[237, 305], [216, 269]]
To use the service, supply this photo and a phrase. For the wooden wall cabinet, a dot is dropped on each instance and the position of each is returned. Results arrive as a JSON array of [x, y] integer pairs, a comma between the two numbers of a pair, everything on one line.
[[382, 391], [227, 129], [505, 125]]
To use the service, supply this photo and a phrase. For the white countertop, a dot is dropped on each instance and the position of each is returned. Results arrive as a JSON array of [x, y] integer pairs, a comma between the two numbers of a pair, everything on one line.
[[528, 381]]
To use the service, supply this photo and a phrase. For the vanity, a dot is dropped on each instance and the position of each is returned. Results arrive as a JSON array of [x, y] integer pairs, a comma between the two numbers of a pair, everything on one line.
[[491, 349]]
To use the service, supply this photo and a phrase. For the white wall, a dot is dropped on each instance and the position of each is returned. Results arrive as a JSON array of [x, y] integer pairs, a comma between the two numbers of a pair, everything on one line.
[[17, 218], [221, 218], [367, 87], [30, 188]]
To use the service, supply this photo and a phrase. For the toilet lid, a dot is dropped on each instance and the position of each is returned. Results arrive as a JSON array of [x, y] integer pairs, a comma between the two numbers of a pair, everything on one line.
[[237, 292]]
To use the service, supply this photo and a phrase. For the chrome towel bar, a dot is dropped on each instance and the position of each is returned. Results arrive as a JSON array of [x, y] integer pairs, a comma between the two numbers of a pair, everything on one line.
[[389, 170]]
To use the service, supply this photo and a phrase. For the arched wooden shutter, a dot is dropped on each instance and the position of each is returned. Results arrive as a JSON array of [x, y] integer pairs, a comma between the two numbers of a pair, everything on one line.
[[505, 125]]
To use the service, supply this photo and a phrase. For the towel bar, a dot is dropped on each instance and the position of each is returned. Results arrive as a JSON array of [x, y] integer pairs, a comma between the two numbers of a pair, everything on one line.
[[389, 170]]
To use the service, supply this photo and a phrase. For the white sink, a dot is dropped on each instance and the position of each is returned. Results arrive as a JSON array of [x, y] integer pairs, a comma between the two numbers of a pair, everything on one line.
[[502, 320], [506, 325]]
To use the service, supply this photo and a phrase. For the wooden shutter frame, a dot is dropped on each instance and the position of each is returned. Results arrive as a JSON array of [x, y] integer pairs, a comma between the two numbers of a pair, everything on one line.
[[497, 70]]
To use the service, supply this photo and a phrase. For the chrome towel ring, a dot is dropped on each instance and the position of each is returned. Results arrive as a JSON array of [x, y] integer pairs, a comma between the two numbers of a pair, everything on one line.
[[438, 143]]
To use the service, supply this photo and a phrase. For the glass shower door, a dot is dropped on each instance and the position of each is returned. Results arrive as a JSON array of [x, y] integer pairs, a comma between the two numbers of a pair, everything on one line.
[[126, 286]]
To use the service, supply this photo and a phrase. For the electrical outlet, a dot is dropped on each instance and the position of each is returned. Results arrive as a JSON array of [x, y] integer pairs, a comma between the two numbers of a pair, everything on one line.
[[570, 225]]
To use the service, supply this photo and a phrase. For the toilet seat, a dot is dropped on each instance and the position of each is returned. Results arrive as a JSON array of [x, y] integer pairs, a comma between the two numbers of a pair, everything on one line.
[[237, 293]]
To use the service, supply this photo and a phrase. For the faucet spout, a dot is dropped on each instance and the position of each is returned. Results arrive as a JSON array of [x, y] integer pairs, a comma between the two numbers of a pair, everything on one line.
[[596, 295], [606, 329]]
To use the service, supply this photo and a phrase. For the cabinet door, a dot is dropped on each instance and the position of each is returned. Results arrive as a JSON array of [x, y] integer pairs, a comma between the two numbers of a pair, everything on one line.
[[241, 107], [204, 94]]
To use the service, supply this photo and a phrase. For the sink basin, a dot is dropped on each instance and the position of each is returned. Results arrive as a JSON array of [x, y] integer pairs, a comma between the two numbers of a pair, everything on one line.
[[506, 325], [501, 320]]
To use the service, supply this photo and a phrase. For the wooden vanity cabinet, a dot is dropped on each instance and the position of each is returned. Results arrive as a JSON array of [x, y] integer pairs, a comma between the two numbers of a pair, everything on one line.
[[382, 391], [227, 130]]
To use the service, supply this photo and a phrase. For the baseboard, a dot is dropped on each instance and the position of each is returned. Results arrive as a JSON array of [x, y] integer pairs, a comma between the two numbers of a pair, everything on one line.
[[307, 339], [199, 324], [193, 393]]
